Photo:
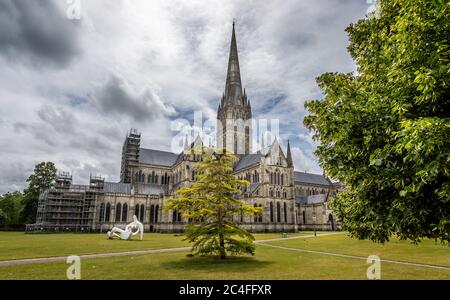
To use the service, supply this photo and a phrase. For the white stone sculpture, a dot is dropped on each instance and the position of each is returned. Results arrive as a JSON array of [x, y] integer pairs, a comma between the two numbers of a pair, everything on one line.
[[133, 228]]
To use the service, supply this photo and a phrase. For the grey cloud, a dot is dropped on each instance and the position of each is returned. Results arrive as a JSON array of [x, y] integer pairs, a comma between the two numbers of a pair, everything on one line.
[[40, 132], [60, 129], [117, 98], [13, 176], [37, 31], [82, 170], [76, 118], [58, 118], [52, 121], [93, 144]]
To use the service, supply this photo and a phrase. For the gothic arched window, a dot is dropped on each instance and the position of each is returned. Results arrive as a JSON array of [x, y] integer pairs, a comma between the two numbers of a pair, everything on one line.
[[141, 213], [107, 212], [153, 177], [278, 212], [156, 213], [136, 210], [176, 216], [259, 218], [271, 211], [152, 214], [118, 212], [124, 212], [285, 212], [101, 215]]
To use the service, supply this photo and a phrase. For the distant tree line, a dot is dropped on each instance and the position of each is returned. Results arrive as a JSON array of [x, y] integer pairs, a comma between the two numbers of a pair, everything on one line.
[[20, 207]]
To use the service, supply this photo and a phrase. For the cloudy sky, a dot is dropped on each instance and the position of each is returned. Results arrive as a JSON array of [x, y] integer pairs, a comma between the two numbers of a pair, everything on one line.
[[70, 88]]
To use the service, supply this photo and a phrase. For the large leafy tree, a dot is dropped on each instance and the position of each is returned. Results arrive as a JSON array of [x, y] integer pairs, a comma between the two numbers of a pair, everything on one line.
[[3, 217], [42, 179], [10, 208], [212, 205], [385, 130]]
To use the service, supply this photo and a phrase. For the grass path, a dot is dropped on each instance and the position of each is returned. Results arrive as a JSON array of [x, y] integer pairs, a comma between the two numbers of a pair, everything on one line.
[[296, 237]]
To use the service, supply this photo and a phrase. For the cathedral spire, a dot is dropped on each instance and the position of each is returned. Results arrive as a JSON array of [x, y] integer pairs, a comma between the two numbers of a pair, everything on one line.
[[234, 107], [233, 87], [289, 156], [186, 143]]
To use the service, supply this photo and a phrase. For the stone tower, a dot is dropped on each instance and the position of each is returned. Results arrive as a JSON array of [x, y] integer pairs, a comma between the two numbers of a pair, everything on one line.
[[234, 128]]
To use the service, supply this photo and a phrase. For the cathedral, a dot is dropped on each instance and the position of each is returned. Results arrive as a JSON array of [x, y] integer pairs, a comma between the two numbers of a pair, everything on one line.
[[290, 200]]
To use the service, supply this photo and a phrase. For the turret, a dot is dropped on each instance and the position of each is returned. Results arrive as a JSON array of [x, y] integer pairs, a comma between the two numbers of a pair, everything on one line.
[[289, 156]]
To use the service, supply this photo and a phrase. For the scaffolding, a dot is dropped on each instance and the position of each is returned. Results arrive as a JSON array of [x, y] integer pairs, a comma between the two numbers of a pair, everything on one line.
[[67, 207], [130, 155]]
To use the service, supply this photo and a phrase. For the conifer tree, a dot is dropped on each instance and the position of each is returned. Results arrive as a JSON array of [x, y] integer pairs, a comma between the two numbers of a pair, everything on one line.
[[212, 205]]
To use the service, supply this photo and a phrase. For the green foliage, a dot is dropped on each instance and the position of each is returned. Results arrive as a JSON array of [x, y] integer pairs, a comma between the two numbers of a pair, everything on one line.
[[10, 208], [3, 217], [42, 179], [385, 132], [211, 203]]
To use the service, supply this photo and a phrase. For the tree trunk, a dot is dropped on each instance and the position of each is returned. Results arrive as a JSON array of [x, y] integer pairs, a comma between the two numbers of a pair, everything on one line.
[[221, 238]]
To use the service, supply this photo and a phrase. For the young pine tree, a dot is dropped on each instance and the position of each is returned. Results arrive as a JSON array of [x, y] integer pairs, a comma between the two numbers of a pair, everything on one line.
[[211, 204]]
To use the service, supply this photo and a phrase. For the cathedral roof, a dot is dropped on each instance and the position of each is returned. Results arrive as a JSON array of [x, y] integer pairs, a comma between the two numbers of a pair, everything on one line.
[[116, 187], [309, 178], [157, 157], [247, 161]]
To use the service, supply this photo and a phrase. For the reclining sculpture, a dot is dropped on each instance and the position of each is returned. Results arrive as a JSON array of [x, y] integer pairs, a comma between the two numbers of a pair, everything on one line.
[[133, 228]]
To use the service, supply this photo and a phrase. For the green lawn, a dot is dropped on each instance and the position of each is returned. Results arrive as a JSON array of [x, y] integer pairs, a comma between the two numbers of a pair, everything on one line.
[[17, 245], [268, 263], [427, 252]]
